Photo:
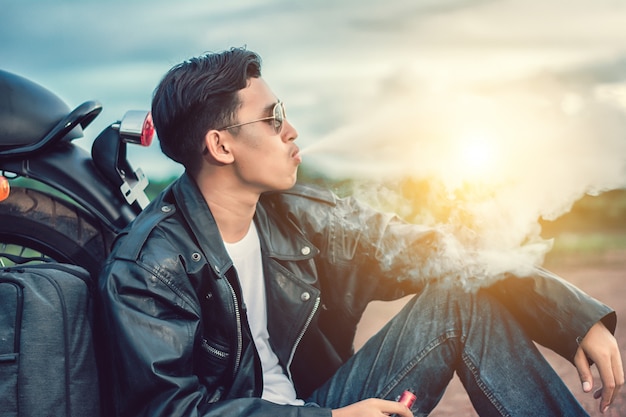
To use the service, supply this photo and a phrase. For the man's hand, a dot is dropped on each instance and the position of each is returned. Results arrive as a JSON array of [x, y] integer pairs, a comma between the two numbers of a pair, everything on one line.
[[373, 407], [600, 346]]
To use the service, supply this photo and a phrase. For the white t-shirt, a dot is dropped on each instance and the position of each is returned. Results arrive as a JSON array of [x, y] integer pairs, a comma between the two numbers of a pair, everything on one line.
[[246, 256]]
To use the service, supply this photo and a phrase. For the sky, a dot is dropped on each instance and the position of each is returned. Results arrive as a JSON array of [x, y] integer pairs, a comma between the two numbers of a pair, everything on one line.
[[516, 107], [333, 62]]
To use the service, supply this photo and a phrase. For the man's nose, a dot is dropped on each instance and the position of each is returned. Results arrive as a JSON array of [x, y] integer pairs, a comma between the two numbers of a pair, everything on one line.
[[290, 133]]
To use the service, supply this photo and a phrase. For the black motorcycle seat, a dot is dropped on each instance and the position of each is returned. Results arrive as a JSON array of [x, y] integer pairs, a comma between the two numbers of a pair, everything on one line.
[[28, 111]]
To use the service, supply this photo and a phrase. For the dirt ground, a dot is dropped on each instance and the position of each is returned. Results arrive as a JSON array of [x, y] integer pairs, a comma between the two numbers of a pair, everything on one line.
[[602, 276]]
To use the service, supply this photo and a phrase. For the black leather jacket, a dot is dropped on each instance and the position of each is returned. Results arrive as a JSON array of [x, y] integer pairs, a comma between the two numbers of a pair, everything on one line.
[[179, 340]]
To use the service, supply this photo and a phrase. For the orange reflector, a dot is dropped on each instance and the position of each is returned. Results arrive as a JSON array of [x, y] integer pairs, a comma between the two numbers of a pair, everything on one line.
[[5, 189]]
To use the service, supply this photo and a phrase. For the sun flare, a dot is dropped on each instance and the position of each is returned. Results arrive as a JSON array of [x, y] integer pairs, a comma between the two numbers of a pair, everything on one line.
[[476, 156]]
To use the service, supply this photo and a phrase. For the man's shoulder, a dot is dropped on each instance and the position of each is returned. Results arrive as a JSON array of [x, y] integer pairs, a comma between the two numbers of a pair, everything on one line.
[[133, 239]]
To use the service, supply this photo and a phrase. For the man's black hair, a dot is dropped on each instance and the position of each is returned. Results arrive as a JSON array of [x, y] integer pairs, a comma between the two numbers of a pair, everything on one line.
[[198, 95]]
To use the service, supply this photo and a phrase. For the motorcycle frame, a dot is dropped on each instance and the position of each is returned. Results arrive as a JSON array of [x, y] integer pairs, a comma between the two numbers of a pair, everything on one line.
[[101, 183]]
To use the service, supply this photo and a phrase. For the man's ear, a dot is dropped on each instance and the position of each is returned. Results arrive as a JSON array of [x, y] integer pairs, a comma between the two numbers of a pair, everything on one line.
[[217, 145]]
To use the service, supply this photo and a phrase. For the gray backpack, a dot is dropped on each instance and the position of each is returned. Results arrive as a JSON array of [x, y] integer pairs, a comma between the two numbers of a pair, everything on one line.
[[47, 360]]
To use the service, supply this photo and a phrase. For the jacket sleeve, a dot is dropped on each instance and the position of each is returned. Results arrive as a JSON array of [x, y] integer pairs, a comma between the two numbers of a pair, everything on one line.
[[150, 327], [555, 313], [368, 254]]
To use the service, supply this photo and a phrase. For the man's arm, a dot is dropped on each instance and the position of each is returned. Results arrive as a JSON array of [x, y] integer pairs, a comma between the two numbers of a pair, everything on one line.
[[555, 313]]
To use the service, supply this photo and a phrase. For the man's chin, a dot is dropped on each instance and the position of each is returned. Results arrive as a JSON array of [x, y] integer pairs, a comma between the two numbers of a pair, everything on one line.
[[291, 181], [287, 185]]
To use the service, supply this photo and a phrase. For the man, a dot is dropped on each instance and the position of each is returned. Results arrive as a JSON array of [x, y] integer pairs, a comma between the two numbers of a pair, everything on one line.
[[237, 292]]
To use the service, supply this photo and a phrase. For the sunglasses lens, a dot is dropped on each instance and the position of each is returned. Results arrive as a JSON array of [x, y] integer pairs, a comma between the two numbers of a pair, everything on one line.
[[279, 117]]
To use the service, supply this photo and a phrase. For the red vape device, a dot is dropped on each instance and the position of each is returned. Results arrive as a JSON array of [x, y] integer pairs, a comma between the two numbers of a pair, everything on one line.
[[407, 398]]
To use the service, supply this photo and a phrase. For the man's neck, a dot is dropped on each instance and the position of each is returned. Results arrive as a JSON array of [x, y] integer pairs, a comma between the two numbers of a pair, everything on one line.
[[233, 220], [232, 208]]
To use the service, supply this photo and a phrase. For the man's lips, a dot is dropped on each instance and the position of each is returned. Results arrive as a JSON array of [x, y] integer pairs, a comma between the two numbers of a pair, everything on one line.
[[296, 155]]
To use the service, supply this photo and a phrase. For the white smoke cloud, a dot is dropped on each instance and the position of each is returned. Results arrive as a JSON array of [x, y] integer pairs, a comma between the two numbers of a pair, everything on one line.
[[540, 146]]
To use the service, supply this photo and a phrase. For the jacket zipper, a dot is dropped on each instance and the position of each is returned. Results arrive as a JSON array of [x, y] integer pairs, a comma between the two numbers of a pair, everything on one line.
[[297, 342], [213, 351], [239, 331]]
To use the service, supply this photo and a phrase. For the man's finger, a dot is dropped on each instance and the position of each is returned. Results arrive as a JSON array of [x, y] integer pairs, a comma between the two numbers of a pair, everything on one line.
[[618, 369], [610, 390], [584, 371], [607, 376]]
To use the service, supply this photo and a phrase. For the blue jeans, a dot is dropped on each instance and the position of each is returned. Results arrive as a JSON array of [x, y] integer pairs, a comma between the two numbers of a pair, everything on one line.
[[442, 331]]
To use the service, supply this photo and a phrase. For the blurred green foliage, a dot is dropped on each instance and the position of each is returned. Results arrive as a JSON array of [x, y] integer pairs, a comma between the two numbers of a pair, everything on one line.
[[605, 213]]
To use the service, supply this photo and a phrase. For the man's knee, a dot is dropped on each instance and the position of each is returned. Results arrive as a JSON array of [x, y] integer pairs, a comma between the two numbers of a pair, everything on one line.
[[454, 306]]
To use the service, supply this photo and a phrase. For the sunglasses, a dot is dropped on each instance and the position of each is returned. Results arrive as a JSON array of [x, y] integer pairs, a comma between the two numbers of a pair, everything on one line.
[[278, 115]]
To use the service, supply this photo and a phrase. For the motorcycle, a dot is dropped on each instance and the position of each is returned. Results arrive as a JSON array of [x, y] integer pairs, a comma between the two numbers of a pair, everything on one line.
[[58, 202]]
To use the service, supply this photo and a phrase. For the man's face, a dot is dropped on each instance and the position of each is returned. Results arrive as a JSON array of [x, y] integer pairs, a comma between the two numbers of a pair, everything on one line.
[[263, 159]]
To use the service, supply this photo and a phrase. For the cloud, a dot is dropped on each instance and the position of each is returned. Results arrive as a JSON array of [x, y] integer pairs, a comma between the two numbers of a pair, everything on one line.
[[331, 56]]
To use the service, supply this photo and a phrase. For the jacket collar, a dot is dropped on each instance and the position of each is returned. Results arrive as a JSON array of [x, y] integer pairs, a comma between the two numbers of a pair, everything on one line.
[[280, 237], [202, 225]]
